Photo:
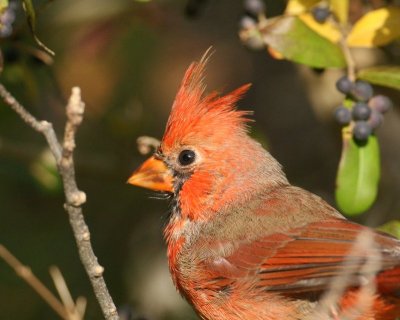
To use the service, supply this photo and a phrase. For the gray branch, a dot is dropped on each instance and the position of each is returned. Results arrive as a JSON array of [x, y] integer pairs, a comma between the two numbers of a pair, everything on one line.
[[74, 197]]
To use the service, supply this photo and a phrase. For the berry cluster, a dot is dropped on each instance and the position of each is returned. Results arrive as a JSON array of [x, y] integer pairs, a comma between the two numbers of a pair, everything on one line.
[[366, 111]]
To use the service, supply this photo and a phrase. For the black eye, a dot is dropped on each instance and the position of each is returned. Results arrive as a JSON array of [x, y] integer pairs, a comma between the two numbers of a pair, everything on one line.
[[186, 157]]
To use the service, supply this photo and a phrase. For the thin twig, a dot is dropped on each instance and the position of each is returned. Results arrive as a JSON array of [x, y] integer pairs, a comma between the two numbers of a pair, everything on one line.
[[25, 273], [65, 295], [61, 287], [366, 249], [80, 306], [74, 197], [348, 56], [369, 270], [147, 144]]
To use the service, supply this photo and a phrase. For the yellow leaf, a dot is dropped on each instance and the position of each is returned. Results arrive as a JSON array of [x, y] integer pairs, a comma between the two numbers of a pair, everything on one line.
[[326, 30], [295, 7], [341, 9], [376, 28]]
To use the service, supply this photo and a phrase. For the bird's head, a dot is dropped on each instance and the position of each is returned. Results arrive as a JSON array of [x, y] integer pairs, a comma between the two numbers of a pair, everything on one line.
[[206, 159]]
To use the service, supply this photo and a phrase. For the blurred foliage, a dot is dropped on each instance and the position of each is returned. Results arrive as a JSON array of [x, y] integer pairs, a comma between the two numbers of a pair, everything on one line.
[[128, 57]]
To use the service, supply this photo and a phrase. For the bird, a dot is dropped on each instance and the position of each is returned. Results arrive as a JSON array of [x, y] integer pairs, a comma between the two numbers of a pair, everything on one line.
[[245, 244]]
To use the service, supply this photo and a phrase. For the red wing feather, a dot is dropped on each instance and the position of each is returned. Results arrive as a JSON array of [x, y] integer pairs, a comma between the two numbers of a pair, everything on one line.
[[307, 259]]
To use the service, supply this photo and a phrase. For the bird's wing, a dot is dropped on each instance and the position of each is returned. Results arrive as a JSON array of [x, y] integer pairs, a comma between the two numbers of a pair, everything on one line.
[[307, 260]]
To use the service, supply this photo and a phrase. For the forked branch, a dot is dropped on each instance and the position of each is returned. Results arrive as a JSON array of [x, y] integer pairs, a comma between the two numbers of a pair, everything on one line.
[[63, 154]]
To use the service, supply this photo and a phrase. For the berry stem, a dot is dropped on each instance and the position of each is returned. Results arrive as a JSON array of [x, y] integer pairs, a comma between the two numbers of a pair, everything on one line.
[[351, 65]]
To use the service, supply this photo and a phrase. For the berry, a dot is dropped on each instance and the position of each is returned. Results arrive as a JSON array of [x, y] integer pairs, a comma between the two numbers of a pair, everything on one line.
[[343, 115], [254, 7], [361, 130], [361, 111], [320, 14], [247, 22], [375, 119], [362, 91], [380, 103], [344, 85]]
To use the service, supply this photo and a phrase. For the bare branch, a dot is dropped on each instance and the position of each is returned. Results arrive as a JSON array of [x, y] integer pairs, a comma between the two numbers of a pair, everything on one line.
[[74, 197], [22, 112], [366, 249], [43, 127], [80, 306], [25, 273], [65, 295]]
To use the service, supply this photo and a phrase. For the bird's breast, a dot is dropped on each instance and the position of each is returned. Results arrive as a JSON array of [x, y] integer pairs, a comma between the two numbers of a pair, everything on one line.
[[178, 233]]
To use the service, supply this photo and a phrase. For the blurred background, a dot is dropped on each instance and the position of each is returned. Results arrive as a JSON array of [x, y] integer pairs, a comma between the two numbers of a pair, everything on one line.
[[128, 57]]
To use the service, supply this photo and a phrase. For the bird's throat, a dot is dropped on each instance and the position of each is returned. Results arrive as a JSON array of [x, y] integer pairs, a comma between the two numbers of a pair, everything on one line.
[[176, 238]]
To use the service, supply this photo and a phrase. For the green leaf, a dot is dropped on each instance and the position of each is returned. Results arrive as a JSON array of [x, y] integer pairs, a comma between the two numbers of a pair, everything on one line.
[[328, 30], [358, 174], [387, 76], [391, 227], [297, 42], [31, 18]]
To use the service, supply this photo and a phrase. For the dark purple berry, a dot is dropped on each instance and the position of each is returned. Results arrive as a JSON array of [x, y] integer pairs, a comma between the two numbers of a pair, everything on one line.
[[320, 14], [254, 7], [362, 91], [375, 119], [380, 103], [361, 130], [344, 85], [361, 111], [343, 115], [247, 22]]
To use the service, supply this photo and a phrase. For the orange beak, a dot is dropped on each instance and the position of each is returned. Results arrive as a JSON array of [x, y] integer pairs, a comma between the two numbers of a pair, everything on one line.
[[152, 174]]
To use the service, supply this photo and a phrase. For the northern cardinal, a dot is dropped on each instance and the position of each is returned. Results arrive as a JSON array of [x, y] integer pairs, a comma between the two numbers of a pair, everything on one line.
[[243, 243]]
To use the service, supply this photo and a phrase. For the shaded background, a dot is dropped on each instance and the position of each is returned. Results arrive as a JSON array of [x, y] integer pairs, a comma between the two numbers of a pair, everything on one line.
[[128, 57]]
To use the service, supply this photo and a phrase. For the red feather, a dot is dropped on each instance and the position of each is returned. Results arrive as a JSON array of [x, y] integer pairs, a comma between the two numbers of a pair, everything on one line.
[[194, 113], [245, 244]]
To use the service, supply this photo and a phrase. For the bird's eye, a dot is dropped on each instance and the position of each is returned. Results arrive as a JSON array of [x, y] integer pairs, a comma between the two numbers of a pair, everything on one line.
[[186, 157]]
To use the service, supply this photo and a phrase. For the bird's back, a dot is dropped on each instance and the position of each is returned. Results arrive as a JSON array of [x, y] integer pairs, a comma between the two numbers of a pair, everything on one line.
[[280, 253]]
